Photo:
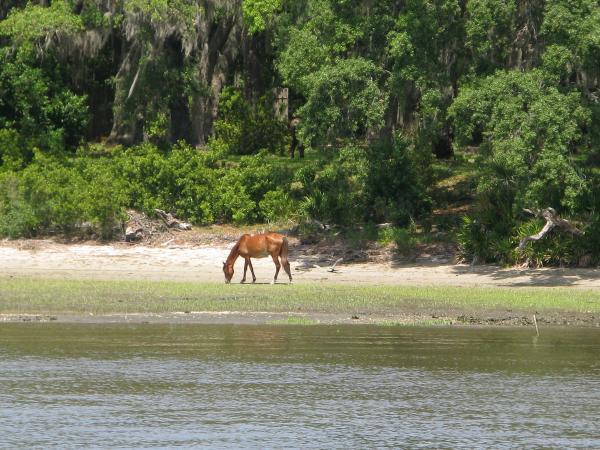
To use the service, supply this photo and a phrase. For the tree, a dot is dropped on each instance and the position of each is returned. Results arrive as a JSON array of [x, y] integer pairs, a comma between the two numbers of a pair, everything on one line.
[[528, 131]]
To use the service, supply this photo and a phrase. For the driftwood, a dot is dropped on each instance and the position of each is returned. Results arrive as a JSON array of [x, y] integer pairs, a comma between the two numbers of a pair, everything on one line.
[[136, 226], [134, 232], [332, 268], [171, 221], [552, 221]]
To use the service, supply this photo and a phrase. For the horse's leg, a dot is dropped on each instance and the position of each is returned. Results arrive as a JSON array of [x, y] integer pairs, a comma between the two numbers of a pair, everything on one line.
[[286, 266], [277, 266], [252, 270], [246, 262]]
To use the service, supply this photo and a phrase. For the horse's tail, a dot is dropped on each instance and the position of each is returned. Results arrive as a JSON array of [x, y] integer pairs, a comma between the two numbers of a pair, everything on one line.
[[283, 251]]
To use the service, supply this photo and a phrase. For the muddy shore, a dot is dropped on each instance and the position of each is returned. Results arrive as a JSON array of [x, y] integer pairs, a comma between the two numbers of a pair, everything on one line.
[[450, 317]]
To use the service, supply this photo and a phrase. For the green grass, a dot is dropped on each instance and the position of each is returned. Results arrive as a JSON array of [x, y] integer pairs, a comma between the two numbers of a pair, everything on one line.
[[294, 320], [37, 296], [284, 160], [415, 323]]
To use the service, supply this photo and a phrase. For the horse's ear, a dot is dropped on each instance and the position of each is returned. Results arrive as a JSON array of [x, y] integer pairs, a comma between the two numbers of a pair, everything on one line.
[[223, 262]]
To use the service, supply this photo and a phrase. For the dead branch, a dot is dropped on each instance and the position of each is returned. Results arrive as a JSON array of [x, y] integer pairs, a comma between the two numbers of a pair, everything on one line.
[[552, 221], [171, 221], [332, 268]]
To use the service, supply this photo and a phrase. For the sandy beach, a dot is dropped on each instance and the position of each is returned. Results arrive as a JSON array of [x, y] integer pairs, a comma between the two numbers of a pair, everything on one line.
[[51, 260]]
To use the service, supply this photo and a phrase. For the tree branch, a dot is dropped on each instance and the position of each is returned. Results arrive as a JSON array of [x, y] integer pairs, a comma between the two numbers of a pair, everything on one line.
[[552, 221]]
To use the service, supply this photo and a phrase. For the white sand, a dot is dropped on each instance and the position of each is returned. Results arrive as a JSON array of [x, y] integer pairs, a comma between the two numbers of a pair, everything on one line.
[[47, 259]]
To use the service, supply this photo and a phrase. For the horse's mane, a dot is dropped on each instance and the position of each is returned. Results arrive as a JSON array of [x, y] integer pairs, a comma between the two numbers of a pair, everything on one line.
[[234, 251]]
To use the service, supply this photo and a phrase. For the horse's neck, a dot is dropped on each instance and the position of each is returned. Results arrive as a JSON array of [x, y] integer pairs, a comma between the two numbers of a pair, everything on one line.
[[233, 255]]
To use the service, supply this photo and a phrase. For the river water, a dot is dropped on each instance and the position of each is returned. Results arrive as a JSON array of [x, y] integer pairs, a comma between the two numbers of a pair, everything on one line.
[[227, 386]]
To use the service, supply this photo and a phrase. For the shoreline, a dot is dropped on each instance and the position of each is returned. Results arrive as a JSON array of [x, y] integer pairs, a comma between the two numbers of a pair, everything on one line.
[[515, 319], [202, 263], [43, 281]]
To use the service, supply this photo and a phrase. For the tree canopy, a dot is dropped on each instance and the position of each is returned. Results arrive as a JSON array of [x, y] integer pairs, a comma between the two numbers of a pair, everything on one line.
[[383, 90]]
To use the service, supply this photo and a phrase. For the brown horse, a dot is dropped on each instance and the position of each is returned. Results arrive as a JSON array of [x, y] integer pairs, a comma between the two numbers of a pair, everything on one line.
[[258, 246]]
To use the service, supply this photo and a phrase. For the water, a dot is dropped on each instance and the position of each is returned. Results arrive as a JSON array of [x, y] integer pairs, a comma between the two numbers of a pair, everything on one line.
[[164, 386]]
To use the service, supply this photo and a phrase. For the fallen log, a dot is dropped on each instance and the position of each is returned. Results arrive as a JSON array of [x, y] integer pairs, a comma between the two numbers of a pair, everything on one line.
[[552, 221], [172, 222]]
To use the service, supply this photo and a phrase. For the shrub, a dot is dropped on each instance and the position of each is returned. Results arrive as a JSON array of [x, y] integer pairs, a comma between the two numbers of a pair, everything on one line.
[[337, 192], [104, 198], [55, 192], [194, 183], [17, 217], [395, 190], [277, 206], [14, 154], [403, 238], [150, 181]]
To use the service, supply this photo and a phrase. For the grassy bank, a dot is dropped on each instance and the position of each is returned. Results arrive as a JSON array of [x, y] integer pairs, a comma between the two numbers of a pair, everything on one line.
[[35, 296]]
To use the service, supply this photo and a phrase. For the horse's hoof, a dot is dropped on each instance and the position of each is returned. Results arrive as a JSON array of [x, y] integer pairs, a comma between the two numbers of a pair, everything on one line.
[[242, 281], [254, 281], [273, 282]]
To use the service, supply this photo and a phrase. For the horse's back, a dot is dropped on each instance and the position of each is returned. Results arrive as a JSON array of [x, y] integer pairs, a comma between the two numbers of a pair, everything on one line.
[[260, 245]]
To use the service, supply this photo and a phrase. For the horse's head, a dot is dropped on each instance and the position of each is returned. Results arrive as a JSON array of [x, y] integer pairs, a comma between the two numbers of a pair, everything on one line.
[[228, 271]]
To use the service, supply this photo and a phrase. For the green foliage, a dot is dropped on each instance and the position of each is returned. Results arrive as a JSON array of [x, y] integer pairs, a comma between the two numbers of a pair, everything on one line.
[[489, 30], [17, 217], [337, 192], [377, 183], [34, 97], [556, 248], [277, 206], [103, 198], [403, 238], [62, 195], [396, 190], [381, 87], [472, 239], [423, 31], [258, 13], [529, 129], [40, 25], [245, 129], [571, 30], [158, 19], [14, 154], [344, 100]]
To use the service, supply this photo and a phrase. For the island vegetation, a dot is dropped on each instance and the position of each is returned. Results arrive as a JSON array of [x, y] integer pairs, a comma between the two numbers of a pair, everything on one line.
[[444, 119]]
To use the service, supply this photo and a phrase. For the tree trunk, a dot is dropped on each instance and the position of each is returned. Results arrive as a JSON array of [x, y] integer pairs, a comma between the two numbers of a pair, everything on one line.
[[125, 114], [218, 50]]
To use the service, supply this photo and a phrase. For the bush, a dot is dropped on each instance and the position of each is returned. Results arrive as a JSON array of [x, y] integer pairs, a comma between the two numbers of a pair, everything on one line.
[[104, 198], [395, 190], [555, 249], [55, 192], [233, 204], [150, 180], [403, 238], [337, 192], [14, 154], [277, 206], [474, 240], [17, 217], [195, 184], [62, 195]]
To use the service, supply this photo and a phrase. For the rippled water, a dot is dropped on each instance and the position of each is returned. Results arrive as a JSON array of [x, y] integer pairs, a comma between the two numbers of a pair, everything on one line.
[[279, 387]]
